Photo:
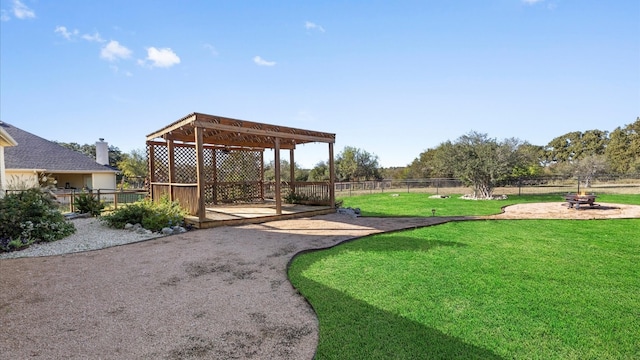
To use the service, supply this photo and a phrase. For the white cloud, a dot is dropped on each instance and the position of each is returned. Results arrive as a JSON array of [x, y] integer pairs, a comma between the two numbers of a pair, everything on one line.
[[161, 57], [95, 37], [531, 2], [62, 30], [262, 62], [313, 26], [211, 49], [4, 15], [114, 51], [21, 11]]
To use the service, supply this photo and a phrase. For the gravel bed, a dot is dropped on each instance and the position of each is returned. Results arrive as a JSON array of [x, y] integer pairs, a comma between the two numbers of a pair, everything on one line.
[[90, 234]]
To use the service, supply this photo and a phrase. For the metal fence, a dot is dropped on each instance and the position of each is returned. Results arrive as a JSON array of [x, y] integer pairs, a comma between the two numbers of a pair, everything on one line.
[[609, 183]]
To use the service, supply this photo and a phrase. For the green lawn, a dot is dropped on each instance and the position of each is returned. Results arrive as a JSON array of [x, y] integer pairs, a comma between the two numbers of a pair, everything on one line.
[[508, 289], [419, 204]]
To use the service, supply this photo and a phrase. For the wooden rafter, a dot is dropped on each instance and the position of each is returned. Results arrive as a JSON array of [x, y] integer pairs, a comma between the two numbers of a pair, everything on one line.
[[219, 130]]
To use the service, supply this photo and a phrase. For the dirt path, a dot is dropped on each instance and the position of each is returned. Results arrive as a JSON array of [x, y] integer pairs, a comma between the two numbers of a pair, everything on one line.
[[218, 293]]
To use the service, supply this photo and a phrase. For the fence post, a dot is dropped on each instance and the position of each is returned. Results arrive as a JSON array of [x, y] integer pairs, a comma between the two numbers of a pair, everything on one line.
[[519, 186]]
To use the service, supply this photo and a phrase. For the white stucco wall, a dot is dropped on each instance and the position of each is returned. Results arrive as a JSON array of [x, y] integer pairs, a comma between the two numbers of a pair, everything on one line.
[[103, 181], [21, 179]]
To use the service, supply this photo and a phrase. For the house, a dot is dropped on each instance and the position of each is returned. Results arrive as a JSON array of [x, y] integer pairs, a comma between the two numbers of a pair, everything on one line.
[[32, 157], [5, 141]]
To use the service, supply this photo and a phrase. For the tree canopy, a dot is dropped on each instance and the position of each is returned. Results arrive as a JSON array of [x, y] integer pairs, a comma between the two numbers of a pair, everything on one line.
[[623, 150], [480, 161], [115, 155], [353, 164]]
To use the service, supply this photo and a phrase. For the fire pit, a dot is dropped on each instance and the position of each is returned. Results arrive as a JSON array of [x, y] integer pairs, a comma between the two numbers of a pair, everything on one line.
[[575, 200]]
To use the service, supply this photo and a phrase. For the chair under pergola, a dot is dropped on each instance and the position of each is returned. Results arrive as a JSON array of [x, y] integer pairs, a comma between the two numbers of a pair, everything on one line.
[[213, 165]]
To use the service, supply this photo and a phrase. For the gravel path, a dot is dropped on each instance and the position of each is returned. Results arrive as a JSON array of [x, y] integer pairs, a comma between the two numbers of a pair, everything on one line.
[[90, 234], [218, 293]]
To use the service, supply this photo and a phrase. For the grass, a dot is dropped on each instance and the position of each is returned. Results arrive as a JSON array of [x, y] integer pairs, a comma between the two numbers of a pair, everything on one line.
[[516, 289], [521, 289], [419, 204]]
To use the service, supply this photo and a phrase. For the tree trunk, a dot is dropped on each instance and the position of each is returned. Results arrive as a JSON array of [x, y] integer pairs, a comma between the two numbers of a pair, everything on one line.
[[483, 191]]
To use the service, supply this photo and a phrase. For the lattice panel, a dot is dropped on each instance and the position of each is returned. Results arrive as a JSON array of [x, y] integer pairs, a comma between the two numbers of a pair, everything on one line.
[[238, 166], [185, 165], [160, 162], [238, 176], [209, 165]]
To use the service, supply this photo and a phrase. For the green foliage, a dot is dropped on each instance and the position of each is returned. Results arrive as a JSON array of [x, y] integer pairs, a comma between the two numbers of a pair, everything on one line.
[[480, 161], [151, 215], [478, 290], [115, 155], [134, 164], [353, 164], [164, 213], [293, 197], [30, 216], [87, 203], [576, 145], [320, 172], [285, 172], [623, 149]]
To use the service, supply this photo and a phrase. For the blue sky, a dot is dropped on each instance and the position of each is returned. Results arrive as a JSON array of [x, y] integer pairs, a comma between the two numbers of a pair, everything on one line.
[[393, 78]]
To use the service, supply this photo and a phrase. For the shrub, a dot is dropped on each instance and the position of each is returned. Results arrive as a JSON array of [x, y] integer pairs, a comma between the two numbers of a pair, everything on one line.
[[30, 216], [86, 202], [151, 215]]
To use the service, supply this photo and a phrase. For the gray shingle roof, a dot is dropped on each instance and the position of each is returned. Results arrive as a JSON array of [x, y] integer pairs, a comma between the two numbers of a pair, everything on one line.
[[34, 152]]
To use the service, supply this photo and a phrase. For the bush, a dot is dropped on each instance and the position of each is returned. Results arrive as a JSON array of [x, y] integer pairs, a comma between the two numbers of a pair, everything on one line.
[[151, 215], [86, 203], [28, 217]]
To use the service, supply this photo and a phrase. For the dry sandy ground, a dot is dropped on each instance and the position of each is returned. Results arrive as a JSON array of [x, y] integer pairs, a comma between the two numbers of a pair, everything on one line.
[[219, 293]]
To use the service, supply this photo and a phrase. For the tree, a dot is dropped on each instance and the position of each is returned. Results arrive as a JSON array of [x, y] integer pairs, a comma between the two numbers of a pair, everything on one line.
[[115, 155], [134, 165], [576, 145], [588, 167], [353, 164], [623, 150], [431, 163], [529, 159], [299, 173], [320, 172], [480, 161]]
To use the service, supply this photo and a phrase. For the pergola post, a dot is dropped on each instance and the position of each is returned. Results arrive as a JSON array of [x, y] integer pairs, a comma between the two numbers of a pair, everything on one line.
[[276, 161], [152, 167], [332, 186], [202, 215], [214, 171], [172, 168], [262, 175], [292, 171]]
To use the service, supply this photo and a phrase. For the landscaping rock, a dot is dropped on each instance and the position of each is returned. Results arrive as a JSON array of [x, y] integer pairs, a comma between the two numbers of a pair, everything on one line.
[[353, 212], [178, 230]]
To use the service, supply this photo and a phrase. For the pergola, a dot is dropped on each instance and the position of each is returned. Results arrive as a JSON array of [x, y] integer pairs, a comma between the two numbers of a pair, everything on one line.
[[204, 160]]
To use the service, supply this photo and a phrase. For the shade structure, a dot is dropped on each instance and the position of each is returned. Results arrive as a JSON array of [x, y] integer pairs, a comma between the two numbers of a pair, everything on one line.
[[186, 160]]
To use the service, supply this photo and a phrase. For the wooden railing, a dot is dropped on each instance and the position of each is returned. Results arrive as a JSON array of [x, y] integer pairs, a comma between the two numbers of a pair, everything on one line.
[[111, 198], [312, 193]]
